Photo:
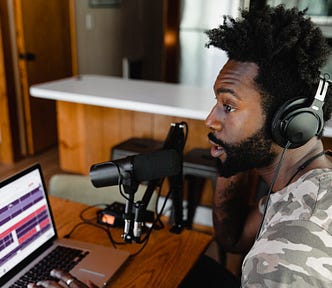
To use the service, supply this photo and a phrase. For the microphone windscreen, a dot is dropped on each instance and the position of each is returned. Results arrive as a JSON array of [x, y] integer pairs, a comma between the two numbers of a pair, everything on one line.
[[104, 174], [156, 165]]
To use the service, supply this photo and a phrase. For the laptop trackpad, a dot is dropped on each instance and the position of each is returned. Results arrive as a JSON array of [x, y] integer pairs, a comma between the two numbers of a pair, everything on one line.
[[93, 274], [99, 266]]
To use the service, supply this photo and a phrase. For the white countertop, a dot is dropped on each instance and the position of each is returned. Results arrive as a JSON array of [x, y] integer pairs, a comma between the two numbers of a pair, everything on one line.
[[137, 95]]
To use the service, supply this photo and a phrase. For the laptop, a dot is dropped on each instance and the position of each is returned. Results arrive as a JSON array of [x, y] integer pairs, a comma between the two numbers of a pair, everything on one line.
[[28, 234]]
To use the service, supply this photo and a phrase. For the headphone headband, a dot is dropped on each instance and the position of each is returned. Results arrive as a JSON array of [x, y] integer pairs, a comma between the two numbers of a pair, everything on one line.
[[322, 89]]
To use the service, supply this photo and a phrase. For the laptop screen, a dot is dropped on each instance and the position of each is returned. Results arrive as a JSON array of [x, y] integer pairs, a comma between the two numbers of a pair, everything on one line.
[[25, 218]]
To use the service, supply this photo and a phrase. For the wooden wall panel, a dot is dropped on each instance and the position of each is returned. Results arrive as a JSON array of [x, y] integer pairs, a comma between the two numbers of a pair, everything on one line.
[[94, 136], [161, 126], [126, 124], [13, 135], [112, 130], [87, 133], [197, 136], [143, 125], [72, 153]]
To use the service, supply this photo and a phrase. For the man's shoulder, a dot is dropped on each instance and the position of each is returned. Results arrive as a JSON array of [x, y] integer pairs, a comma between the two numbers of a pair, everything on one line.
[[304, 208], [294, 248], [319, 177], [289, 254], [308, 198]]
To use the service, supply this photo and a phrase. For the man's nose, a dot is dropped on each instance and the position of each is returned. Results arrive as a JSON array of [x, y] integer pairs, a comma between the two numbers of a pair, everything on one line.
[[212, 121]]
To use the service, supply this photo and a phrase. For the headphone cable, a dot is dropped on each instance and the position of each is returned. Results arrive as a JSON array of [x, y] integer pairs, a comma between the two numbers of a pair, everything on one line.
[[275, 176], [305, 164]]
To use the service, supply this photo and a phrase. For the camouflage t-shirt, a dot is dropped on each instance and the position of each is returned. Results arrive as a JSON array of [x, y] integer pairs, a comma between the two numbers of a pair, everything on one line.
[[294, 248]]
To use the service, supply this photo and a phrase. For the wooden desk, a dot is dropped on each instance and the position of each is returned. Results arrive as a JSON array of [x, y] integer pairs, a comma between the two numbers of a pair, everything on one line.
[[94, 113], [164, 261]]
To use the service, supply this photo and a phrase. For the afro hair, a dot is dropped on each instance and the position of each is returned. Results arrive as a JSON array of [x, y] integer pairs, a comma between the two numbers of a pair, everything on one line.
[[287, 47]]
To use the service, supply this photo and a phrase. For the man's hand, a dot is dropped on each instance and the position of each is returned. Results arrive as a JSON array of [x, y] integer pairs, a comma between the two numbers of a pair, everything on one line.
[[65, 280]]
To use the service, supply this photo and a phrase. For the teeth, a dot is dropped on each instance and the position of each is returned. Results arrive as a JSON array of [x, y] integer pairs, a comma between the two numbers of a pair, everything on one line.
[[216, 150]]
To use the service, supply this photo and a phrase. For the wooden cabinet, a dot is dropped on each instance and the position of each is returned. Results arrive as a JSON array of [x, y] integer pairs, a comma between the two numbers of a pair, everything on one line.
[[87, 133]]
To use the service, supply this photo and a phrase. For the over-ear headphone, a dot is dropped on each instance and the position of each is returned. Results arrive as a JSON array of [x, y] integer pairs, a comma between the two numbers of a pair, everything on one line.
[[297, 122]]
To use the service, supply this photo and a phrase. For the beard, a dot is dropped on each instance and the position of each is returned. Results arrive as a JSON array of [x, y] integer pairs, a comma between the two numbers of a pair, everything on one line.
[[253, 152]]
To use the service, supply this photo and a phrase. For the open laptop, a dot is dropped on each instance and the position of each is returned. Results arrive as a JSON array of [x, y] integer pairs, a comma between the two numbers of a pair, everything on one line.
[[27, 233]]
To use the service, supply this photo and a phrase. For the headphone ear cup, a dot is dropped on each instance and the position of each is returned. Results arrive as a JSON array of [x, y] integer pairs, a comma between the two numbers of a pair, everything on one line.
[[295, 124], [300, 128]]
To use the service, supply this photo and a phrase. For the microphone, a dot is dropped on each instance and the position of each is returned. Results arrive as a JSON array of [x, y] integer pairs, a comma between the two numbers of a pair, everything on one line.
[[142, 167]]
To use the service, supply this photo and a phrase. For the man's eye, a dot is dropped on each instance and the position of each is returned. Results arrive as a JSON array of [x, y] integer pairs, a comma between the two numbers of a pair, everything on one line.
[[228, 108]]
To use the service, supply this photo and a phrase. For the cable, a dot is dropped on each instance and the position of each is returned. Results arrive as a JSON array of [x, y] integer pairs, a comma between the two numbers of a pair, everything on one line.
[[159, 185], [93, 222], [305, 164], [147, 236], [275, 176], [145, 240], [157, 218]]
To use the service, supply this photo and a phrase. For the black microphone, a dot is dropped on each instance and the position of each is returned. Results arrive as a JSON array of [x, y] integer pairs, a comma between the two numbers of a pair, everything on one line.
[[142, 167]]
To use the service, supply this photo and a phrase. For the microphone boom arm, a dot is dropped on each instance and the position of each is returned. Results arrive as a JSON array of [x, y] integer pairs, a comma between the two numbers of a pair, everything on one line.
[[175, 140]]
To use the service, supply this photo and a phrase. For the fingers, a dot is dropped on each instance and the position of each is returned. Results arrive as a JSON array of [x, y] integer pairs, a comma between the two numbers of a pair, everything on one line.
[[46, 284], [63, 276], [67, 279]]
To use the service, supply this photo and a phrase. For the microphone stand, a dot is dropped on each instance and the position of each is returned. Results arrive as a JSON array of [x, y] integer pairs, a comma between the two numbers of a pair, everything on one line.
[[140, 209], [134, 221], [134, 216]]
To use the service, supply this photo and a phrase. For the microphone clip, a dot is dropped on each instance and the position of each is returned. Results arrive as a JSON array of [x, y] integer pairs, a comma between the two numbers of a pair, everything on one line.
[[130, 186]]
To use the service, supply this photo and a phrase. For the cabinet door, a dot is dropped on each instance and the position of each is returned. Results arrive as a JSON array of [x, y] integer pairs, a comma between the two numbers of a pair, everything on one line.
[[44, 54]]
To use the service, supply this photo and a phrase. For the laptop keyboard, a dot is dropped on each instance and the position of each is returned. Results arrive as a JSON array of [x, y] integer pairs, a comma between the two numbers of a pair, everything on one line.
[[63, 258]]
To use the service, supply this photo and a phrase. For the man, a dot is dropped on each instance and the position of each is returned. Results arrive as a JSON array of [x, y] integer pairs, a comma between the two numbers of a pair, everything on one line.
[[274, 56]]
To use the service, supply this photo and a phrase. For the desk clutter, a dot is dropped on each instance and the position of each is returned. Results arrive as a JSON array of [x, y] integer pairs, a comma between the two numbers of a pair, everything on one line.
[[162, 257], [29, 224], [198, 166]]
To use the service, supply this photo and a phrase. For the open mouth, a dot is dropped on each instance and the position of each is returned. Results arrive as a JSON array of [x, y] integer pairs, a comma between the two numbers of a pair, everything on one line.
[[216, 149]]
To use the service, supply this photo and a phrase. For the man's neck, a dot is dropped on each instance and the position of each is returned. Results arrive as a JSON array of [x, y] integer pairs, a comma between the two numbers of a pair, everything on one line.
[[293, 162]]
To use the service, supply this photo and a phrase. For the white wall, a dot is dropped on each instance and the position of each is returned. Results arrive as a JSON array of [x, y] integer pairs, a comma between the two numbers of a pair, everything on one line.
[[99, 40], [199, 66]]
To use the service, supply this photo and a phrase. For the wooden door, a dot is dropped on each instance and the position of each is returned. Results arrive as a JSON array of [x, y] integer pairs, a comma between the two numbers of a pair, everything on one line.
[[44, 51]]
